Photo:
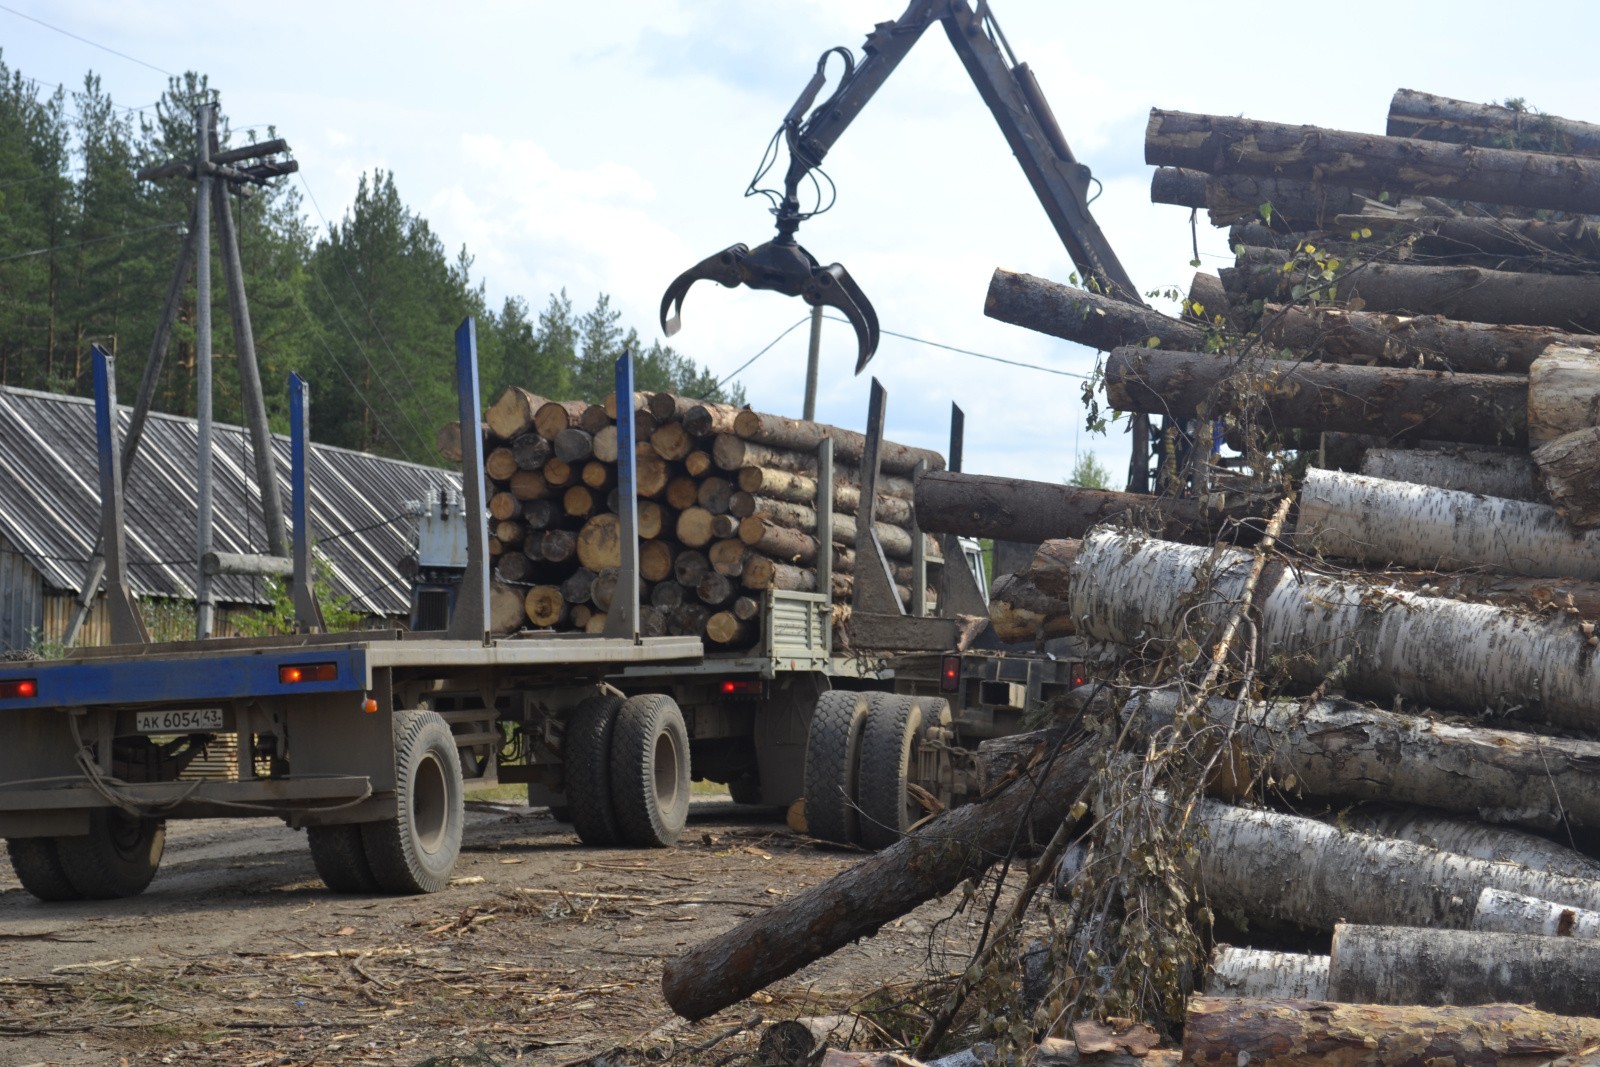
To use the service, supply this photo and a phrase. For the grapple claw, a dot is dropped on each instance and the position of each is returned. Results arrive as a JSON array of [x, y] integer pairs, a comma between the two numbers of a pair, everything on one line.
[[725, 268], [832, 286]]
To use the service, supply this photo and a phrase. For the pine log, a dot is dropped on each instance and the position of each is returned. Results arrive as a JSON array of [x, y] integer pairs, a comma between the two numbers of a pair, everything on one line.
[[1562, 246], [1020, 612], [540, 514], [698, 462], [557, 546], [513, 568], [596, 623], [641, 402], [728, 556], [778, 542], [798, 1042], [724, 527], [503, 506], [848, 445], [1515, 913], [574, 445], [1343, 751], [593, 418], [579, 501], [529, 485], [1226, 145], [1439, 118], [802, 516], [1399, 965], [447, 441], [665, 596], [1011, 509], [1472, 294], [511, 415], [1050, 570], [688, 619], [762, 573], [756, 532], [579, 615], [652, 474], [495, 548], [682, 492], [694, 527], [1208, 304], [554, 416], [578, 586], [1254, 972], [652, 621], [558, 473], [732, 453], [599, 543], [644, 427], [604, 588], [1131, 590], [704, 418], [1563, 393], [506, 615], [715, 494], [1074, 314], [545, 605], [1569, 473], [802, 488], [653, 519], [669, 407], [1389, 401], [1262, 864], [689, 566], [726, 628], [1296, 204], [1509, 475], [605, 444], [509, 531], [1432, 342], [1372, 520], [500, 464], [656, 560], [807, 925], [746, 608], [716, 590], [1468, 837], [598, 476], [1229, 1031], [530, 451], [671, 441]]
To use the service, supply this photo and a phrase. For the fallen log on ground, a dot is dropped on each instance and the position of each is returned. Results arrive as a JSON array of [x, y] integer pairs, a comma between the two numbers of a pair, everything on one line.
[[1012, 509], [1132, 590], [1075, 314], [1344, 751], [1405, 965], [1256, 972], [1377, 521], [958, 845], [1569, 472], [1477, 840], [1508, 475], [1440, 118], [1517, 913], [1221, 144], [1227, 1032], [1387, 401]]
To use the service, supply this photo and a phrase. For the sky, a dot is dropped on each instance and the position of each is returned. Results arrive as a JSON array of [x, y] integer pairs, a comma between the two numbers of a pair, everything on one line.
[[605, 147]]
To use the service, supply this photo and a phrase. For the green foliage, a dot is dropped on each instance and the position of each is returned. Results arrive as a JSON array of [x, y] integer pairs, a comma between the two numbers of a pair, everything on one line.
[[278, 617], [1088, 473]]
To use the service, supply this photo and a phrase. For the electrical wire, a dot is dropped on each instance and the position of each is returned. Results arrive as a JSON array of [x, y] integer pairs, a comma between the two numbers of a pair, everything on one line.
[[85, 40], [764, 351], [91, 241]]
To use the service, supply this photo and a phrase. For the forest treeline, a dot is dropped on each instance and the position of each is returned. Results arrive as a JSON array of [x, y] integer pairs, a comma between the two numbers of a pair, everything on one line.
[[365, 308]]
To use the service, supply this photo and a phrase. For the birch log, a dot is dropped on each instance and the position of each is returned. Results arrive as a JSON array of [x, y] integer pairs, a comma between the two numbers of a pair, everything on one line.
[[1517, 913], [1468, 837], [1377, 521], [1563, 392], [1130, 590], [1569, 471], [1508, 475], [1344, 751], [1228, 1032], [1255, 972], [1400, 965], [1263, 864]]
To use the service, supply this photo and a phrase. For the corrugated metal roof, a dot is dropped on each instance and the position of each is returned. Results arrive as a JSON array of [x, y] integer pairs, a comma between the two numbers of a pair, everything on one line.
[[50, 503]]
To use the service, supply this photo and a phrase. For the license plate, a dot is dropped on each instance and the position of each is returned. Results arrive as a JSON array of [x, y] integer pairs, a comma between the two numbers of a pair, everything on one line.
[[178, 721]]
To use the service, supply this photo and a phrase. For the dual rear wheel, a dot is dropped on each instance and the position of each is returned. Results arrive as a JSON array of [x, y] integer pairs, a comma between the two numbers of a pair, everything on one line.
[[627, 770], [117, 858], [860, 755]]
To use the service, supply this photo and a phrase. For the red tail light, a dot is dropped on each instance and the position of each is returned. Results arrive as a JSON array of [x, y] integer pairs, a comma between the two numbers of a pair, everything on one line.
[[950, 674], [291, 674], [741, 687], [19, 689]]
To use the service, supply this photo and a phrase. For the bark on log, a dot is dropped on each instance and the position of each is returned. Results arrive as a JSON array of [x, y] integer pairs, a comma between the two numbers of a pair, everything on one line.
[[1432, 342], [1296, 204], [1020, 612], [511, 415], [1208, 303], [545, 605], [1255, 972], [1078, 315], [554, 416], [755, 532], [1391, 402], [574, 445], [1011, 509], [1508, 475], [669, 407], [715, 495], [641, 402], [1130, 590], [1468, 837], [577, 586], [1516, 913], [656, 559], [1472, 294], [558, 546], [802, 488], [1439, 118], [1226, 145], [1050, 570], [1568, 244], [689, 566], [665, 596], [593, 418], [1563, 393], [1344, 751], [704, 418], [1569, 472], [530, 451], [1265, 865], [715, 590], [960, 844], [802, 516], [732, 453], [1399, 965], [1228, 1031], [599, 543], [778, 542], [1373, 520]]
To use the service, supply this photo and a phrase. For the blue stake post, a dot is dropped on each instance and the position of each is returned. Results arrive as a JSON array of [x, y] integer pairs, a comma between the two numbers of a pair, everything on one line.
[[623, 618]]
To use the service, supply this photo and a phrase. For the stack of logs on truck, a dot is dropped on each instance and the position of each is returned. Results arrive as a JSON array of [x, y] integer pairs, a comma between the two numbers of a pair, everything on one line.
[[1348, 750], [726, 511]]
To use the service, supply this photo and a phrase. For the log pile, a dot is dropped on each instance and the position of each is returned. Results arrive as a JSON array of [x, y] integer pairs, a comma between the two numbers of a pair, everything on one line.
[[1368, 729], [727, 501]]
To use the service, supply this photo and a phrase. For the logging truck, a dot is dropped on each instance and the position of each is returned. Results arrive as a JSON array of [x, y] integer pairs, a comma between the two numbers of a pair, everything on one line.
[[363, 739]]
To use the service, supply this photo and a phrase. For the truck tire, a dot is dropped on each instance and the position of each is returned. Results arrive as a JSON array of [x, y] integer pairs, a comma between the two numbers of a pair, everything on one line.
[[116, 858], [650, 770], [745, 789], [416, 851], [833, 758], [38, 868], [587, 751], [340, 856], [892, 728]]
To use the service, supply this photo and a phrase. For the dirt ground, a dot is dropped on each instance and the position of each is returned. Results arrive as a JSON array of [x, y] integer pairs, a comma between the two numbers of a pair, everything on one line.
[[542, 951]]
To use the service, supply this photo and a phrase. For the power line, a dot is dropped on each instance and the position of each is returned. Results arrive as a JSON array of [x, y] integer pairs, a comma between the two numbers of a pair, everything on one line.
[[765, 350], [85, 40], [91, 241]]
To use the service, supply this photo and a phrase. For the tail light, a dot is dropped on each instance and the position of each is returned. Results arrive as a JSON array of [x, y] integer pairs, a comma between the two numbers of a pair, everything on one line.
[[950, 674], [740, 687], [295, 673], [19, 689]]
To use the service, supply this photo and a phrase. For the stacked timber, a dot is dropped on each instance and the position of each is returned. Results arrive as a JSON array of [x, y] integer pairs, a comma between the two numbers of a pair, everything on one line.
[[727, 510]]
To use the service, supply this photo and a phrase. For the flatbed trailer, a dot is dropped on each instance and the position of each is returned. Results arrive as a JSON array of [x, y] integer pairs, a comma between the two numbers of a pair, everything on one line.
[[365, 739]]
